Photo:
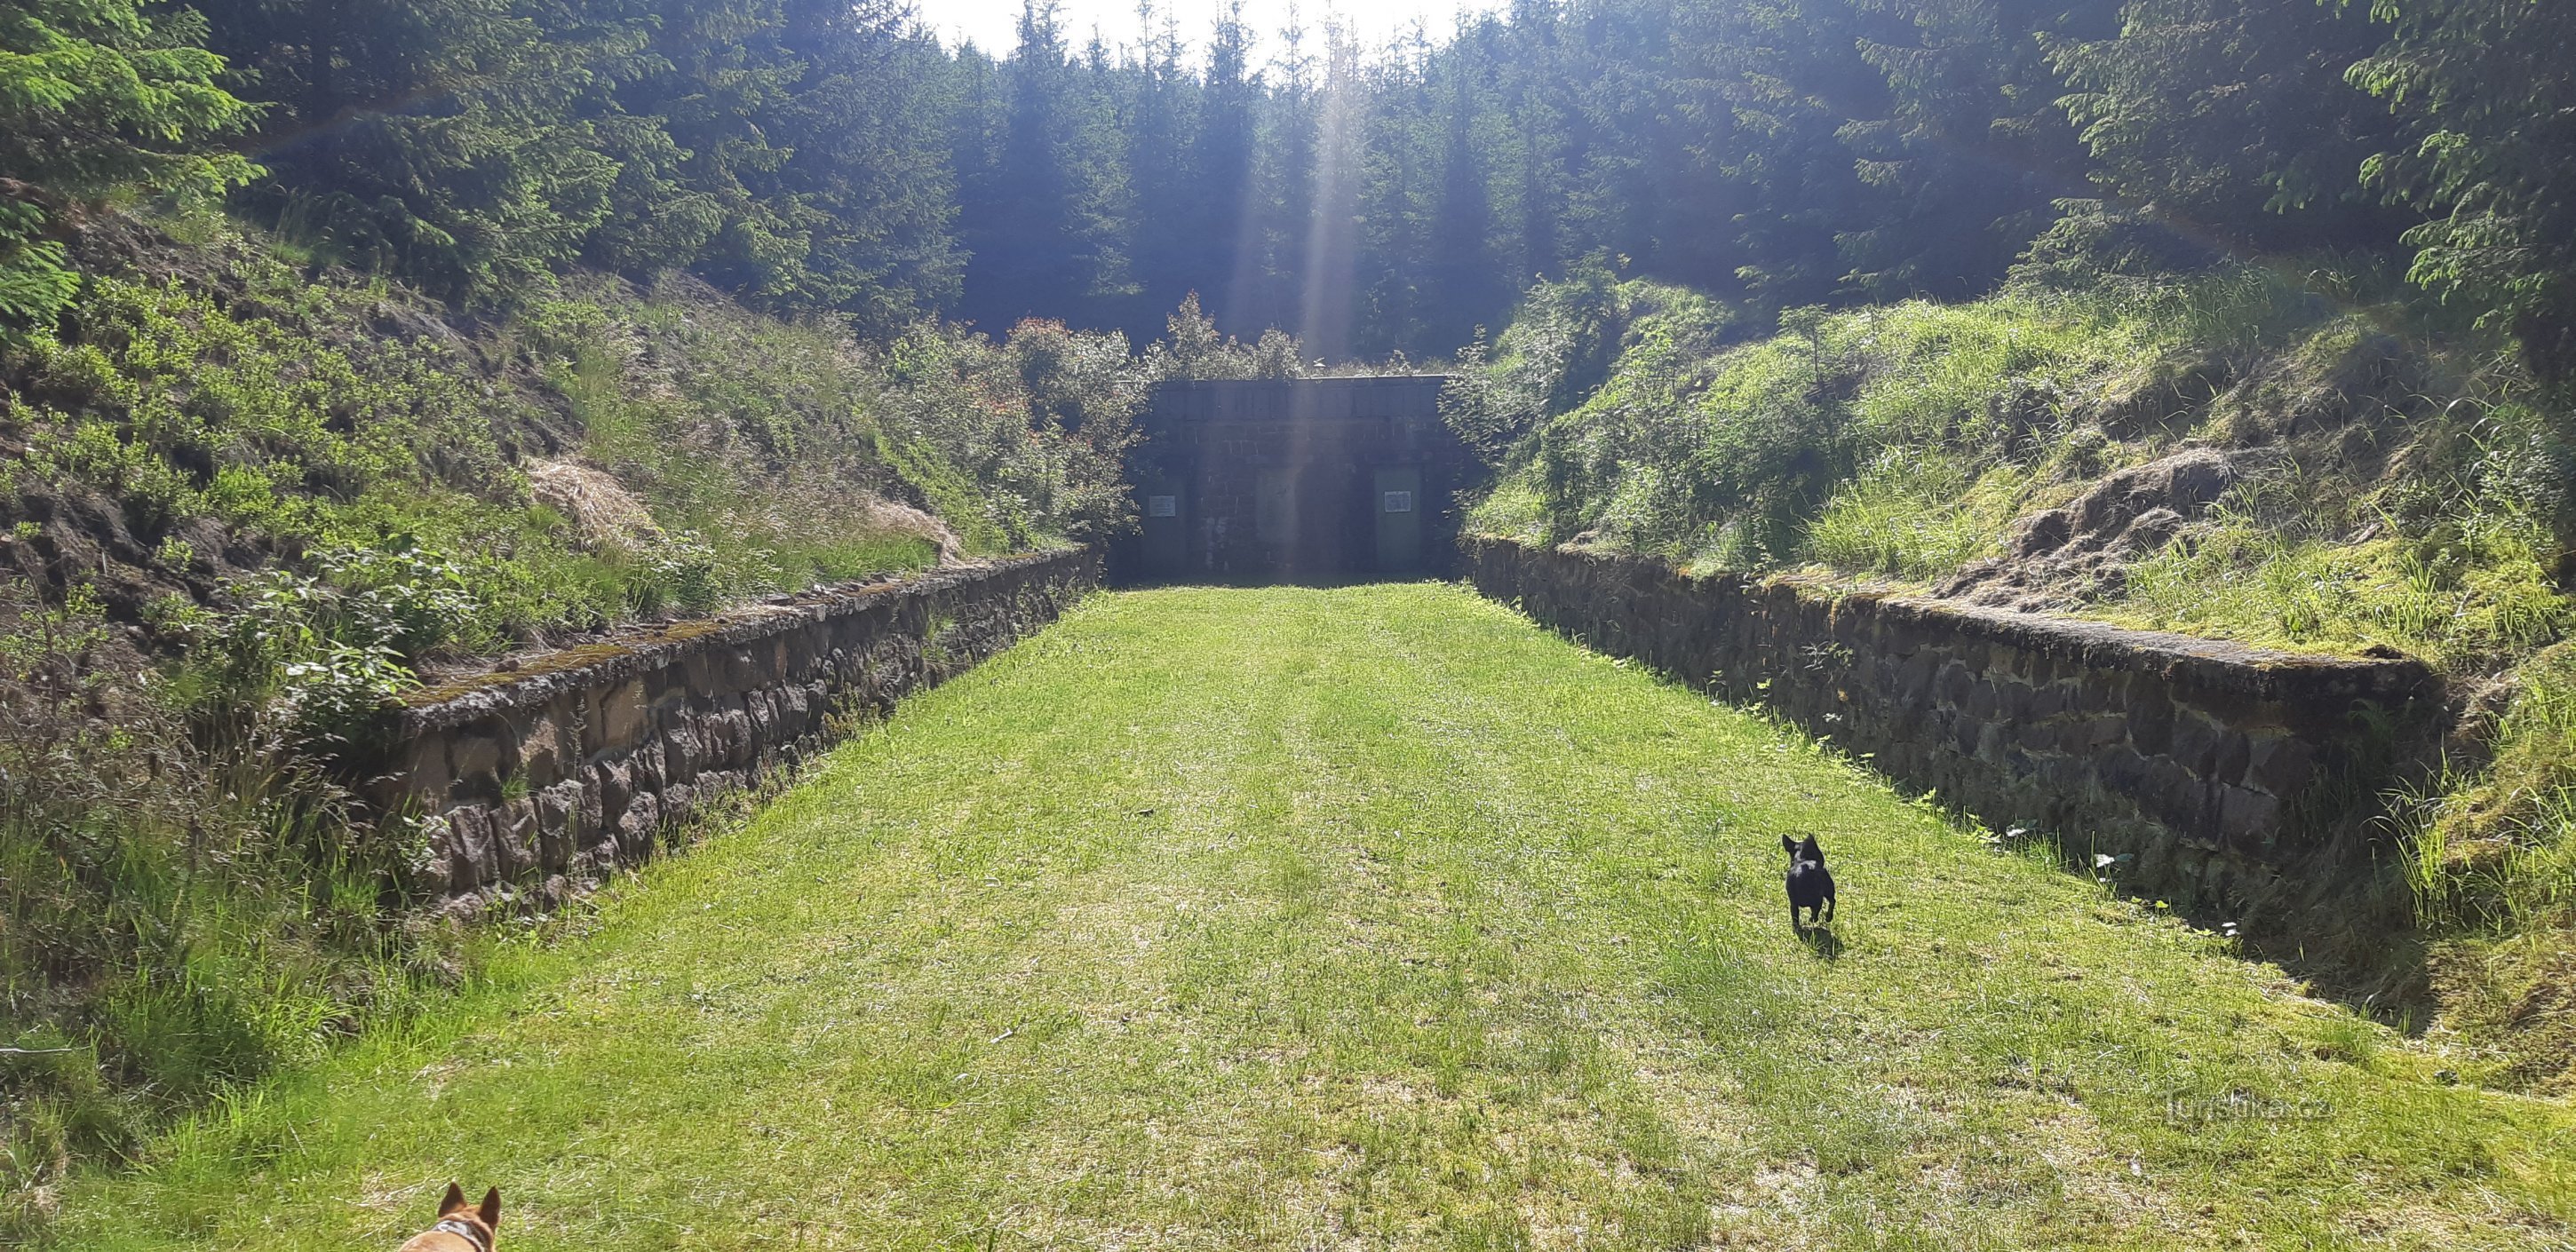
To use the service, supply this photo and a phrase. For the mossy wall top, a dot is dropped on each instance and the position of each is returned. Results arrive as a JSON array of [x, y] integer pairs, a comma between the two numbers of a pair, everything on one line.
[[532, 779], [2222, 775]]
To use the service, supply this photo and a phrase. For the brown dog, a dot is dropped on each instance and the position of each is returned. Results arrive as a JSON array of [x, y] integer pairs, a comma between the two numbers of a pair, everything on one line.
[[460, 1229]]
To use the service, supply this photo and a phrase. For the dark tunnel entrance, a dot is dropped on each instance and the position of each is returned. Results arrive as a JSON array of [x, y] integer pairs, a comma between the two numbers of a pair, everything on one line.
[[1295, 480]]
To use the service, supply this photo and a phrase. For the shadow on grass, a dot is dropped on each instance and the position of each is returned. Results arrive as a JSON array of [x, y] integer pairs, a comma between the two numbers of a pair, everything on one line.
[[1822, 941]]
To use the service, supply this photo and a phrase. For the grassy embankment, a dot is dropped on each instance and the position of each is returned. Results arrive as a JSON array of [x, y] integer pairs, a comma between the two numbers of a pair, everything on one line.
[[247, 497], [1277, 918], [2396, 481]]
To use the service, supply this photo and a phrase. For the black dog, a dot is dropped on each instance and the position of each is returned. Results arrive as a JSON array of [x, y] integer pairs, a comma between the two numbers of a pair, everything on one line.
[[1810, 887]]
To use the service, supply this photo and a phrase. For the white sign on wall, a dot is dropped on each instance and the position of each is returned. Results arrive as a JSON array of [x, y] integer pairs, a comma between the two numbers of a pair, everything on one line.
[[1399, 502], [1162, 506]]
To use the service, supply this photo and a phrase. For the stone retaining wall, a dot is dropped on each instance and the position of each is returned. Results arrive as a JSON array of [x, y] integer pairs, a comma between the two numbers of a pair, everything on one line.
[[535, 780], [2235, 779]]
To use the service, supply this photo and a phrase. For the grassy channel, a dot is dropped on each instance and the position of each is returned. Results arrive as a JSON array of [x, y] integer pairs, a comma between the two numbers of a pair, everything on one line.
[[1368, 917]]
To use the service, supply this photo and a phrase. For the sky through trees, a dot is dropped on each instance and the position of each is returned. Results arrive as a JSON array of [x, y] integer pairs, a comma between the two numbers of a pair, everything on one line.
[[1369, 195]]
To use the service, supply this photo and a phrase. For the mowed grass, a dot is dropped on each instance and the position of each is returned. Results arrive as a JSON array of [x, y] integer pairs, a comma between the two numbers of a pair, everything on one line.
[[1369, 917]]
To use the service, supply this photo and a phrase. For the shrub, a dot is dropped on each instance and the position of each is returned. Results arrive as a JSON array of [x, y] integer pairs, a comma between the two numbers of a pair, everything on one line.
[[187, 907]]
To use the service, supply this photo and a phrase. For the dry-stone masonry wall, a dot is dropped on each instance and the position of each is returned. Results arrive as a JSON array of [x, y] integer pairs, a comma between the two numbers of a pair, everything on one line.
[[2233, 779], [534, 780]]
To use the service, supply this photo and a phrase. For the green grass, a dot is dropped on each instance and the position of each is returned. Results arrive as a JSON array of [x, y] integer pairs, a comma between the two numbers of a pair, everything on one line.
[[1370, 917]]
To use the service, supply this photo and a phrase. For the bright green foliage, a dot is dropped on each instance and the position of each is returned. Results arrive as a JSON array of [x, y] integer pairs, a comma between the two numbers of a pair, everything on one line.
[[1903, 441], [448, 140], [100, 100], [2503, 849], [743, 455], [268, 416], [239, 414], [2488, 91], [1259, 919], [2230, 122], [327, 508], [2493, 858], [754, 434], [2397, 487], [187, 907], [1711, 454], [1916, 516], [2469, 587], [1193, 348]]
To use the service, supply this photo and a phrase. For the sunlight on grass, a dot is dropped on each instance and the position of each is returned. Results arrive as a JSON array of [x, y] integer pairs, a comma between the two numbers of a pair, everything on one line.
[[1366, 917]]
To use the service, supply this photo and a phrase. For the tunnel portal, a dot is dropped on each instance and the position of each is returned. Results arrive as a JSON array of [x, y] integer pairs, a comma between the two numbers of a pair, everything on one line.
[[1295, 480]]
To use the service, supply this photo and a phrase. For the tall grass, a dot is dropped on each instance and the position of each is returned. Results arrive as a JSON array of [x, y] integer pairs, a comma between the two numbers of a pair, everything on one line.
[[187, 908], [299, 488], [1692, 450], [1373, 916], [2397, 485], [2490, 853], [1914, 514], [1903, 441]]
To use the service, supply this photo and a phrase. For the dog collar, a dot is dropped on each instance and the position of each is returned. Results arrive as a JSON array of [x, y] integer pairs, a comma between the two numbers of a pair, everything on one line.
[[465, 1230]]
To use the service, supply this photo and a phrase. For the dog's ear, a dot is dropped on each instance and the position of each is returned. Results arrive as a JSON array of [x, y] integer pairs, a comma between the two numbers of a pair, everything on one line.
[[1811, 851], [452, 1201], [490, 1211], [1788, 844]]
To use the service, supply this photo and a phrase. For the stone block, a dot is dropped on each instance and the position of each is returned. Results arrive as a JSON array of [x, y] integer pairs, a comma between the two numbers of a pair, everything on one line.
[[742, 671], [2151, 721], [2125, 772], [479, 761], [468, 850], [2064, 775], [559, 815], [2279, 763], [2228, 760], [1980, 702], [641, 822], [614, 782], [424, 770], [2247, 819], [2040, 670], [1991, 744], [681, 753], [593, 823], [671, 696], [2195, 743], [2090, 735], [646, 768], [2049, 699], [2178, 797], [543, 754], [491, 853], [624, 715], [514, 837]]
